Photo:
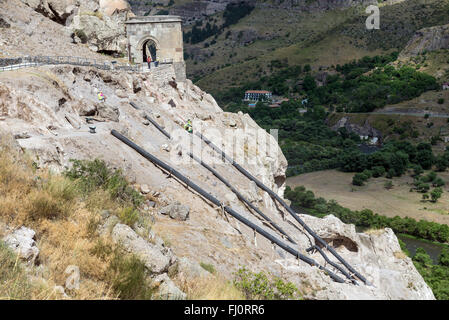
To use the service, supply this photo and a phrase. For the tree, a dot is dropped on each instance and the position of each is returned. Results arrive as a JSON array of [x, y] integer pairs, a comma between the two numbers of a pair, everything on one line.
[[424, 158], [417, 170], [422, 187], [309, 83], [358, 179], [422, 257], [391, 173], [444, 257], [438, 182], [436, 194], [378, 171]]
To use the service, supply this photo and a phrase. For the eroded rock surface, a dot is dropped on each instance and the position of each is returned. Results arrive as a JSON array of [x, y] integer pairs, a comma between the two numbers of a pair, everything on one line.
[[22, 241]]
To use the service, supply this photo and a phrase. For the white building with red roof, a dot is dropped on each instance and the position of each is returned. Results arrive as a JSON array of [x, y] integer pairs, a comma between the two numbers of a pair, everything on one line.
[[256, 95]]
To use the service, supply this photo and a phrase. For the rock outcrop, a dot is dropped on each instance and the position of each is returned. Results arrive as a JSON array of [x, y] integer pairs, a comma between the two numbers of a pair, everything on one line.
[[22, 241], [99, 23], [166, 288], [176, 211], [427, 39], [156, 259], [366, 131], [377, 255]]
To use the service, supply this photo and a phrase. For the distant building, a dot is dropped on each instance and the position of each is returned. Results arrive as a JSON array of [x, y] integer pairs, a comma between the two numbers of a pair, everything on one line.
[[256, 95], [445, 85]]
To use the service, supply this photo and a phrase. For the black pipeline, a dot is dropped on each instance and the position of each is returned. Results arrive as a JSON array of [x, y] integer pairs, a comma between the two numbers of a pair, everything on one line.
[[216, 174], [229, 210], [282, 202], [240, 196]]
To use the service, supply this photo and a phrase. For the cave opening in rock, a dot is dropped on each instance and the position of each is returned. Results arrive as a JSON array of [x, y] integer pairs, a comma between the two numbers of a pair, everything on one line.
[[149, 50], [112, 53]]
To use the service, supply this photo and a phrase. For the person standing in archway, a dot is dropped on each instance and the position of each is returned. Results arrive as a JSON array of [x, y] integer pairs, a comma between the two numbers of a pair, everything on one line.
[[149, 61]]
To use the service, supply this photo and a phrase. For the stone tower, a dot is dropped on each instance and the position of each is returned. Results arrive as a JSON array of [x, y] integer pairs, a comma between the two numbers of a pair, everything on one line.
[[163, 34]]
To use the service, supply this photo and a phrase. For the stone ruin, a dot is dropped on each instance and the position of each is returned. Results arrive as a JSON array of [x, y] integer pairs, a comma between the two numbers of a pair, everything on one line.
[[160, 37]]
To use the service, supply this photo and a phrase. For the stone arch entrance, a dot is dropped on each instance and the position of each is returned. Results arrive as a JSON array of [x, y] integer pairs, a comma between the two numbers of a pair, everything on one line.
[[148, 46], [158, 36], [149, 50]]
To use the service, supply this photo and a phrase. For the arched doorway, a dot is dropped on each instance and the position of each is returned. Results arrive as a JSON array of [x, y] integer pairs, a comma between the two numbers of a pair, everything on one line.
[[149, 49]]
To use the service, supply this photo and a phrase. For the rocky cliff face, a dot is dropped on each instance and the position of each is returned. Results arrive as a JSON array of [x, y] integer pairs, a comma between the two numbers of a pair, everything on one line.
[[45, 110], [427, 39], [99, 23]]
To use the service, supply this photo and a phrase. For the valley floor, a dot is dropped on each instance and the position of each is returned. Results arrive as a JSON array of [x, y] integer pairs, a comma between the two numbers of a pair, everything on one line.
[[333, 184]]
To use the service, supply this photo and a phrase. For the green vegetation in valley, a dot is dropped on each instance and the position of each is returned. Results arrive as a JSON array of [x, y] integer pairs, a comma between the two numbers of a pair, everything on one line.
[[359, 86], [305, 138], [435, 275], [305, 199]]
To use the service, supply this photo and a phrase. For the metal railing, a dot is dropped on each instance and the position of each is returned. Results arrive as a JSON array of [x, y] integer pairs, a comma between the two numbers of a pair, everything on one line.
[[76, 61]]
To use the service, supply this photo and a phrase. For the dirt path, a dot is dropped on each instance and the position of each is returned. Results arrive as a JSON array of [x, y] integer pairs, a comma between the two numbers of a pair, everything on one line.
[[332, 184]]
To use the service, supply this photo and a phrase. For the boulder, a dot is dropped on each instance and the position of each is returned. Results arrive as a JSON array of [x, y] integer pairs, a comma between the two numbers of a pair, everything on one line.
[[86, 109], [176, 211], [144, 189], [108, 112], [22, 243], [4, 24], [154, 259], [102, 32], [189, 269], [167, 290], [108, 225]]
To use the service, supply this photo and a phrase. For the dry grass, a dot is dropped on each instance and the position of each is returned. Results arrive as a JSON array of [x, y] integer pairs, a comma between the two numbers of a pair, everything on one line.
[[210, 288], [65, 221], [375, 232], [400, 255]]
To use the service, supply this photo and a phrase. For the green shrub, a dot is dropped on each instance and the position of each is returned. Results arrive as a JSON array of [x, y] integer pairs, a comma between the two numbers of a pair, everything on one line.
[[440, 100], [391, 173], [443, 259], [422, 187], [129, 216], [129, 278], [208, 267], [258, 286], [359, 179], [82, 35], [43, 205], [435, 194], [95, 174], [367, 173], [422, 257], [378, 171]]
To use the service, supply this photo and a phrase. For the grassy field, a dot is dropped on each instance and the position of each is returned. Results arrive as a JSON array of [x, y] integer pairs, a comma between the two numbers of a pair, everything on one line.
[[333, 184]]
